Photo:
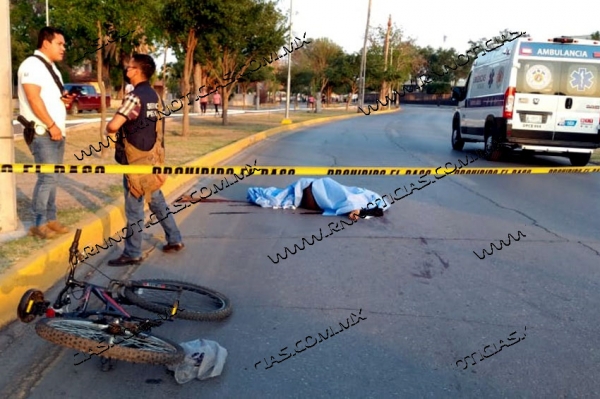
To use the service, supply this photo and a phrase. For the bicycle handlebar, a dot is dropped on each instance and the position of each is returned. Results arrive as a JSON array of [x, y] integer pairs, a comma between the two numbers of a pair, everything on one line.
[[74, 250], [75, 244]]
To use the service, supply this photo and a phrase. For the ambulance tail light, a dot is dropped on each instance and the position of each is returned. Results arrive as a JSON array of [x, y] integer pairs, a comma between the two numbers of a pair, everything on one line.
[[509, 102]]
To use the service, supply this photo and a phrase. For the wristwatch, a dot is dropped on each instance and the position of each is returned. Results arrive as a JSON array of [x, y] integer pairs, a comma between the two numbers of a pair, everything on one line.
[[40, 129]]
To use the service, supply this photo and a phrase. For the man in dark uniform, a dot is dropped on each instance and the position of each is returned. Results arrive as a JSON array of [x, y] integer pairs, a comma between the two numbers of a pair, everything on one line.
[[136, 121]]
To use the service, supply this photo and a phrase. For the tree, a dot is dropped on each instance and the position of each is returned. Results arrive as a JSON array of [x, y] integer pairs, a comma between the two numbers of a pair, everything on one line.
[[345, 76], [27, 18], [403, 62], [595, 35], [88, 29], [321, 57], [184, 22], [245, 30]]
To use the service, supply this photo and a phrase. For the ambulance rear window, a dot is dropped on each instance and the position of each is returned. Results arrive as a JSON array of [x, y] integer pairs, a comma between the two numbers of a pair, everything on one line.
[[570, 78]]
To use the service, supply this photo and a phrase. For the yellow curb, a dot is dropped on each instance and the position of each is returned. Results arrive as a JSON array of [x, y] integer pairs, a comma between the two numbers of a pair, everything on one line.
[[43, 268]]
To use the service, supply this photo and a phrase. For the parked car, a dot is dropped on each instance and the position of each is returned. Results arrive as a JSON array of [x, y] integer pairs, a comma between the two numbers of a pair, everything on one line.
[[87, 99], [540, 96]]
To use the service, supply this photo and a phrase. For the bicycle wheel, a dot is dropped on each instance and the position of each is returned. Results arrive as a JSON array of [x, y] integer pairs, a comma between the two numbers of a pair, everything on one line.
[[92, 338], [196, 302]]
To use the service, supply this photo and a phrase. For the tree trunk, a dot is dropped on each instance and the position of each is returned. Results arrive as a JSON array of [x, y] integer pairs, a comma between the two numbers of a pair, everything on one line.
[[197, 85], [244, 87], [383, 93], [164, 73], [192, 40], [225, 104], [348, 101], [99, 68]]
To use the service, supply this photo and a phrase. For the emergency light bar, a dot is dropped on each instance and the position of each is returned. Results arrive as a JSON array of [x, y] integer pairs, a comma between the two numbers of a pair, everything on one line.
[[563, 40]]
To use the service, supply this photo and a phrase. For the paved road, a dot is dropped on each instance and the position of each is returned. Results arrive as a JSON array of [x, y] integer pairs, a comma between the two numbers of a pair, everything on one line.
[[427, 298]]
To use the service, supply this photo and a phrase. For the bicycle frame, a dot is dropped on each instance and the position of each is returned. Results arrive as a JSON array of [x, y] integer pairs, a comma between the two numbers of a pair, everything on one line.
[[111, 307]]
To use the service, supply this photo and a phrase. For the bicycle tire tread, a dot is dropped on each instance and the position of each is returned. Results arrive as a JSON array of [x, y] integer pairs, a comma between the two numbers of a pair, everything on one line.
[[82, 344], [215, 315]]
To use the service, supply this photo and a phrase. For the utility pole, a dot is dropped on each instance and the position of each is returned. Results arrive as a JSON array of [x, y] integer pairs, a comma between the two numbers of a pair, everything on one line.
[[287, 120], [8, 199], [363, 64], [386, 47], [47, 15]]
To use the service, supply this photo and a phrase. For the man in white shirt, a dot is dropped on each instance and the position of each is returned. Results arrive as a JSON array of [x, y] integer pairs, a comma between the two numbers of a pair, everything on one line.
[[41, 100]]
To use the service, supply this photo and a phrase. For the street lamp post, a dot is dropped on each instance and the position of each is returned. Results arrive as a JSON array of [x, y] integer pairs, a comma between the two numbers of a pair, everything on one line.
[[47, 15], [363, 63], [287, 120]]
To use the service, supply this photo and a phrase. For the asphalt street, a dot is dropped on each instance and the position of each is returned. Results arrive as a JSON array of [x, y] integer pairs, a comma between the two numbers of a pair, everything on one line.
[[427, 300]]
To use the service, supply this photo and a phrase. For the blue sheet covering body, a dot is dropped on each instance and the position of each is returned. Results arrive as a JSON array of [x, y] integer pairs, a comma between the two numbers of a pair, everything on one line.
[[331, 196]]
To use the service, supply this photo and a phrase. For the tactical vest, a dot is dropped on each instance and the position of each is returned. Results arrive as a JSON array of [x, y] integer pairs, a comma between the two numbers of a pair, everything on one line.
[[141, 132]]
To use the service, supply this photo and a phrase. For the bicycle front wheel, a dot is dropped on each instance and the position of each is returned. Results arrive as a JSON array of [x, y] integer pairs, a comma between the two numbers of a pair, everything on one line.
[[195, 302], [93, 339]]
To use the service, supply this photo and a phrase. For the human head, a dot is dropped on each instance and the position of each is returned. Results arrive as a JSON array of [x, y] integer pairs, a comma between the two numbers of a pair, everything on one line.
[[140, 68], [51, 42]]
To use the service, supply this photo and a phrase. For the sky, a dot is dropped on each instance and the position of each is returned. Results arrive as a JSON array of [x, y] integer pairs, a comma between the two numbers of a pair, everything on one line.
[[344, 21]]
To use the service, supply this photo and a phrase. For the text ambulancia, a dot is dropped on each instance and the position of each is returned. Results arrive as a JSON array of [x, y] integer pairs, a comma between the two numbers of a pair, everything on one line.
[[534, 96]]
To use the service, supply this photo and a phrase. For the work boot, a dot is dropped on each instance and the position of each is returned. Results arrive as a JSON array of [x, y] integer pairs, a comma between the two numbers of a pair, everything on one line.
[[42, 231], [124, 261], [173, 247], [55, 226]]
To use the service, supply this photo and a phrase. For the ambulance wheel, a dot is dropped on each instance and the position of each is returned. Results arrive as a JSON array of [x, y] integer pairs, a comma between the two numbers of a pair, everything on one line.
[[457, 142], [493, 152], [579, 159]]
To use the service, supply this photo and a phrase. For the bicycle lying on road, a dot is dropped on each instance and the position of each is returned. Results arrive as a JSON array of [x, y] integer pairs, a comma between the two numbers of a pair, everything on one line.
[[126, 337]]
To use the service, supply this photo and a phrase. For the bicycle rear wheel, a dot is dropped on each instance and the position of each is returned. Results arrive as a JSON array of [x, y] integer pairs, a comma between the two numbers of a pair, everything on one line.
[[195, 302], [92, 338]]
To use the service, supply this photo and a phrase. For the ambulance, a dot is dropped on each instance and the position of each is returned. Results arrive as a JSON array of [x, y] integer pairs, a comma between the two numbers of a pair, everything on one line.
[[540, 97]]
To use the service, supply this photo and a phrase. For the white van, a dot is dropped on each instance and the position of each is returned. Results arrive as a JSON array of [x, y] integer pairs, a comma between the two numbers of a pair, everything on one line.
[[536, 96]]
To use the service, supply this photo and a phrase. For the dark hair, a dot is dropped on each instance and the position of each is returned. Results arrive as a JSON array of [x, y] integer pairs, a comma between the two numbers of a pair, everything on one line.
[[47, 33], [145, 63]]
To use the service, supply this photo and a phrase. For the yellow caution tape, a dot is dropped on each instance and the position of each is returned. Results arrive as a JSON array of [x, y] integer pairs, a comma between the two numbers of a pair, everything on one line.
[[284, 170]]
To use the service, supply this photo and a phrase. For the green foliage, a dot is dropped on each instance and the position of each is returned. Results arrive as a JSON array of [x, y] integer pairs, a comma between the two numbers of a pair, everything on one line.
[[27, 18], [230, 35], [596, 35], [345, 73], [132, 22], [438, 88], [174, 76]]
